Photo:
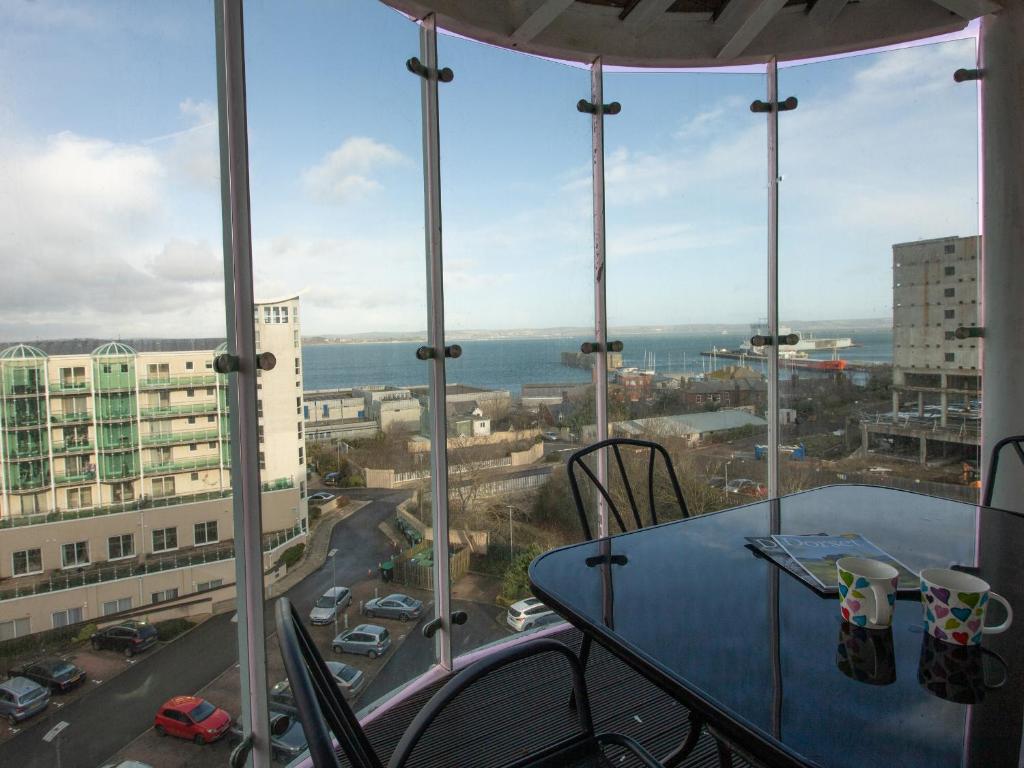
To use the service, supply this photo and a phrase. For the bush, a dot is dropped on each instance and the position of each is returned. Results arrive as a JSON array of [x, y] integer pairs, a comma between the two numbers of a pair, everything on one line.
[[85, 633], [516, 583], [171, 628], [314, 512], [353, 481], [292, 555]]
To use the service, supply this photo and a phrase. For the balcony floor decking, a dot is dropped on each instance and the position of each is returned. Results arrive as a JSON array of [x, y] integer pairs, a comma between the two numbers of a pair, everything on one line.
[[531, 704]]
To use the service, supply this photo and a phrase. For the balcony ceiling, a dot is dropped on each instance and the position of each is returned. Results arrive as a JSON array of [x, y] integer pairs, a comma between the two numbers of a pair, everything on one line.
[[690, 33]]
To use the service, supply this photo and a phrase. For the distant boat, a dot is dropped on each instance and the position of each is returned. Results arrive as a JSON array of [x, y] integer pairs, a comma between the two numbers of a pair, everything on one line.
[[808, 343]]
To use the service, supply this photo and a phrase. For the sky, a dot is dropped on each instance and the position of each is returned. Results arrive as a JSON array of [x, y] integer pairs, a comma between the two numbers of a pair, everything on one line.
[[110, 203]]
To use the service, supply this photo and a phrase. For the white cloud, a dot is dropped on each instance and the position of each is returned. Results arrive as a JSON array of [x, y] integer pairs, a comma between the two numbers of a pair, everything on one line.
[[348, 172]]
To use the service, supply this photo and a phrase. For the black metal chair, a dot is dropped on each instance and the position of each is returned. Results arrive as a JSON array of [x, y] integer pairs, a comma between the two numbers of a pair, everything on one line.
[[1017, 441], [326, 716]]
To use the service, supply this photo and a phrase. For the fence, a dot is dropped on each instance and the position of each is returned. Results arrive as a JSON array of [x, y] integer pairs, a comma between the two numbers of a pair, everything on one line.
[[419, 573], [944, 490], [387, 478]]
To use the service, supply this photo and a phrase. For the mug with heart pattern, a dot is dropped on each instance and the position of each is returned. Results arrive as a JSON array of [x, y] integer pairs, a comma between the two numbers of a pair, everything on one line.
[[955, 604], [867, 591]]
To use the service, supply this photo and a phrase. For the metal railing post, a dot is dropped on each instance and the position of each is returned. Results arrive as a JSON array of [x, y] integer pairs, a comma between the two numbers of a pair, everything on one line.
[[773, 279]]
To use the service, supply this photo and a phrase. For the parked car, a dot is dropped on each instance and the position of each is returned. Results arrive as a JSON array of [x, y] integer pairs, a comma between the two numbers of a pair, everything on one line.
[[287, 739], [717, 482], [21, 698], [525, 614], [329, 604], [746, 487], [396, 606], [552, 436], [127, 764], [349, 680], [56, 674], [320, 497], [129, 637], [332, 478], [193, 718], [368, 639]]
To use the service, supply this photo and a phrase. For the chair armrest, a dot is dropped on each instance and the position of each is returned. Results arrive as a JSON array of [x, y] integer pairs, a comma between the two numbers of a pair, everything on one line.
[[631, 744]]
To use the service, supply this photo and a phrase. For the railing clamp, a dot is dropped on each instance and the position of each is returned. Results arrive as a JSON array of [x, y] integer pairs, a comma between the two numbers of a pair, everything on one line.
[[590, 108], [415, 66], [266, 361], [969, 332], [454, 351], [590, 347], [780, 106], [963, 75], [789, 340], [431, 627], [225, 363]]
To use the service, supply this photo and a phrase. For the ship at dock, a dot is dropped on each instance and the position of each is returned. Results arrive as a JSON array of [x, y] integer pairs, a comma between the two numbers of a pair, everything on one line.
[[792, 355]]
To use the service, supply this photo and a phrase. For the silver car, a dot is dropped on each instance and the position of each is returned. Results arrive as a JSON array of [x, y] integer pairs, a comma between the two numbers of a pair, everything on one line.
[[21, 698], [526, 613], [330, 604], [396, 606], [367, 639], [349, 680]]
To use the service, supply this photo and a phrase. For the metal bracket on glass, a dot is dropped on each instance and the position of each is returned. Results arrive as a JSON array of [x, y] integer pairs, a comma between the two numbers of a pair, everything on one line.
[[266, 361], [963, 75], [457, 617], [590, 108], [590, 347], [225, 363], [780, 106], [240, 753], [454, 351], [789, 340], [969, 332], [610, 559], [415, 66]]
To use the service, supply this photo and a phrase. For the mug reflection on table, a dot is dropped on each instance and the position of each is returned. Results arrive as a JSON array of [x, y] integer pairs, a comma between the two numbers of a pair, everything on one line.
[[955, 604], [867, 656], [958, 672], [867, 591]]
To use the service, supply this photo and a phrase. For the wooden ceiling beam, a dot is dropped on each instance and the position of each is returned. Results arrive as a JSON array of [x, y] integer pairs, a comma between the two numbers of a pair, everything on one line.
[[746, 19], [824, 12], [970, 9], [538, 21]]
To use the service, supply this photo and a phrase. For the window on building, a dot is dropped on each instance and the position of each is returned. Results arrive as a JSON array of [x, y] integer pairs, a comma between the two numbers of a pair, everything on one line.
[[206, 533], [950, 248], [263, 461], [190, 392], [210, 419], [266, 315], [949, 271], [27, 561], [327, 411], [164, 594], [298, 365], [301, 455], [950, 314], [298, 404], [79, 498], [123, 492], [284, 314], [68, 616], [277, 315], [121, 546], [209, 391], [202, 586], [949, 292], [300, 430], [14, 628], [260, 431], [305, 412], [191, 419], [116, 606], [188, 365], [950, 335], [302, 483], [163, 487], [74, 554], [259, 408], [295, 336], [193, 447], [950, 357], [212, 444], [194, 476], [165, 539]]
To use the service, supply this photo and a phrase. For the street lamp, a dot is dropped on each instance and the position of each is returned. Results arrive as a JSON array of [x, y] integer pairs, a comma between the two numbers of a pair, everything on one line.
[[727, 473], [334, 583], [510, 551]]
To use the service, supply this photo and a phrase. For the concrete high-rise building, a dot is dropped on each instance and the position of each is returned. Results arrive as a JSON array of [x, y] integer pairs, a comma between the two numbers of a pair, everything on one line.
[[936, 374], [115, 473]]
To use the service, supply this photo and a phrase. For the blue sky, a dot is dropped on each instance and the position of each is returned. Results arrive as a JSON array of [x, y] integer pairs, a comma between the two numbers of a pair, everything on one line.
[[108, 140]]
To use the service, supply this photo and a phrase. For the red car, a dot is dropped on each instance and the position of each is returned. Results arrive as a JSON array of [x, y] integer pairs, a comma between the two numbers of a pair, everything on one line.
[[191, 717]]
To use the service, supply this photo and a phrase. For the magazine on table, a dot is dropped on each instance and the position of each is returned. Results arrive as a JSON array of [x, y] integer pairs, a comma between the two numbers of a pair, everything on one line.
[[769, 548], [813, 557]]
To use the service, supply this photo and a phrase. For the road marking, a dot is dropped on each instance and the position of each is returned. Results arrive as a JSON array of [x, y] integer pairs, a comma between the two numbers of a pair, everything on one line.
[[12, 729], [55, 731], [58, 704], [97, 682]]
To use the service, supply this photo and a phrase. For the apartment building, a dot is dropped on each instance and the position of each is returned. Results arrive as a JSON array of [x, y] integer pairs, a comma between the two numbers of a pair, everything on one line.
[[115, 472]]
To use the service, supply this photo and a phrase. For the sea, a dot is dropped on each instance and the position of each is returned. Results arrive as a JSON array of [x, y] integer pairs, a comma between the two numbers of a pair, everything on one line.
[[508, 363]]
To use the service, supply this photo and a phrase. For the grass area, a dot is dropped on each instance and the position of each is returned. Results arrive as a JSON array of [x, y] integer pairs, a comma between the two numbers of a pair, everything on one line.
[[171, 628]]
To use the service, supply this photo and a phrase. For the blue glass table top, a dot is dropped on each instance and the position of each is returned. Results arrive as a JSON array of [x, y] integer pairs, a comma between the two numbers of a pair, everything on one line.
[[769, 661]]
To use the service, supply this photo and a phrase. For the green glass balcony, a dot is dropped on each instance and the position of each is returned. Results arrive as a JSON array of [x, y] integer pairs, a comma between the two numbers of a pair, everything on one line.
[[73, 478], [25, 421], [178, 382], [183, 465], [73, 387], [31, 482], [72, 446], [81, 417], [170, 411], [180, 438], [33, 451], [119, 472]]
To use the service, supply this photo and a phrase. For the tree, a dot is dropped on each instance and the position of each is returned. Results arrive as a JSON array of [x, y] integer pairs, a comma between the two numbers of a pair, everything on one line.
[[516, 582]]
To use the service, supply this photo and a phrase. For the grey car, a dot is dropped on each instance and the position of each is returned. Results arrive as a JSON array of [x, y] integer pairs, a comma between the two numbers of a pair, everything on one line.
[[329, 604], [349, 680], [20, 698], [396, 606], [367, 639]]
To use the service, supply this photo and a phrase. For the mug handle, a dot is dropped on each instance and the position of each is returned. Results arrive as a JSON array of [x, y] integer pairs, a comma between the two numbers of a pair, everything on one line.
[[1009, 616], [883, 611], [1002, 669]]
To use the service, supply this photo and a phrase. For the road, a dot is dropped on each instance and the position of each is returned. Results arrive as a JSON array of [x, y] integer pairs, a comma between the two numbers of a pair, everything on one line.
[[123, 707]]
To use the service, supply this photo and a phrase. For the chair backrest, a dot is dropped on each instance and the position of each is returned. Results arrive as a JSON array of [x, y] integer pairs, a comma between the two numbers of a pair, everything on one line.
[[1017, 441], [618, 470], [480, 669], [322, 709]]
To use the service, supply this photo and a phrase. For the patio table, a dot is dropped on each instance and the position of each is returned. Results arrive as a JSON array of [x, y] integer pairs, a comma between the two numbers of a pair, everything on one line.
[[767, 660]]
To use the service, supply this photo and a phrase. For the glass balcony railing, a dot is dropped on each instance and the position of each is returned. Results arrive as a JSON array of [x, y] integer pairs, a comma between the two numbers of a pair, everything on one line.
[[74, 387], [19, 452], [73, 478], [29, 483], [72, 446], [176, 438], [183, 465], [71, 417], [170, 411], [178, 382], [123, 472]]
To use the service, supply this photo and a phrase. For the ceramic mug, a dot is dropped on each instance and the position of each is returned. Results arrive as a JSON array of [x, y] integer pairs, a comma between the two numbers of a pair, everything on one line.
[[959, 673], [955, 604], [866, 656], [867, 591]]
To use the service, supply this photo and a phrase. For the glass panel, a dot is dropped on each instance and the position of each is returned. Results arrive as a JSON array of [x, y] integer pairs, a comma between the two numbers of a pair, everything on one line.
[[686, 203], [338, 227], [110, 210], [518, 299], [878, 267]]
